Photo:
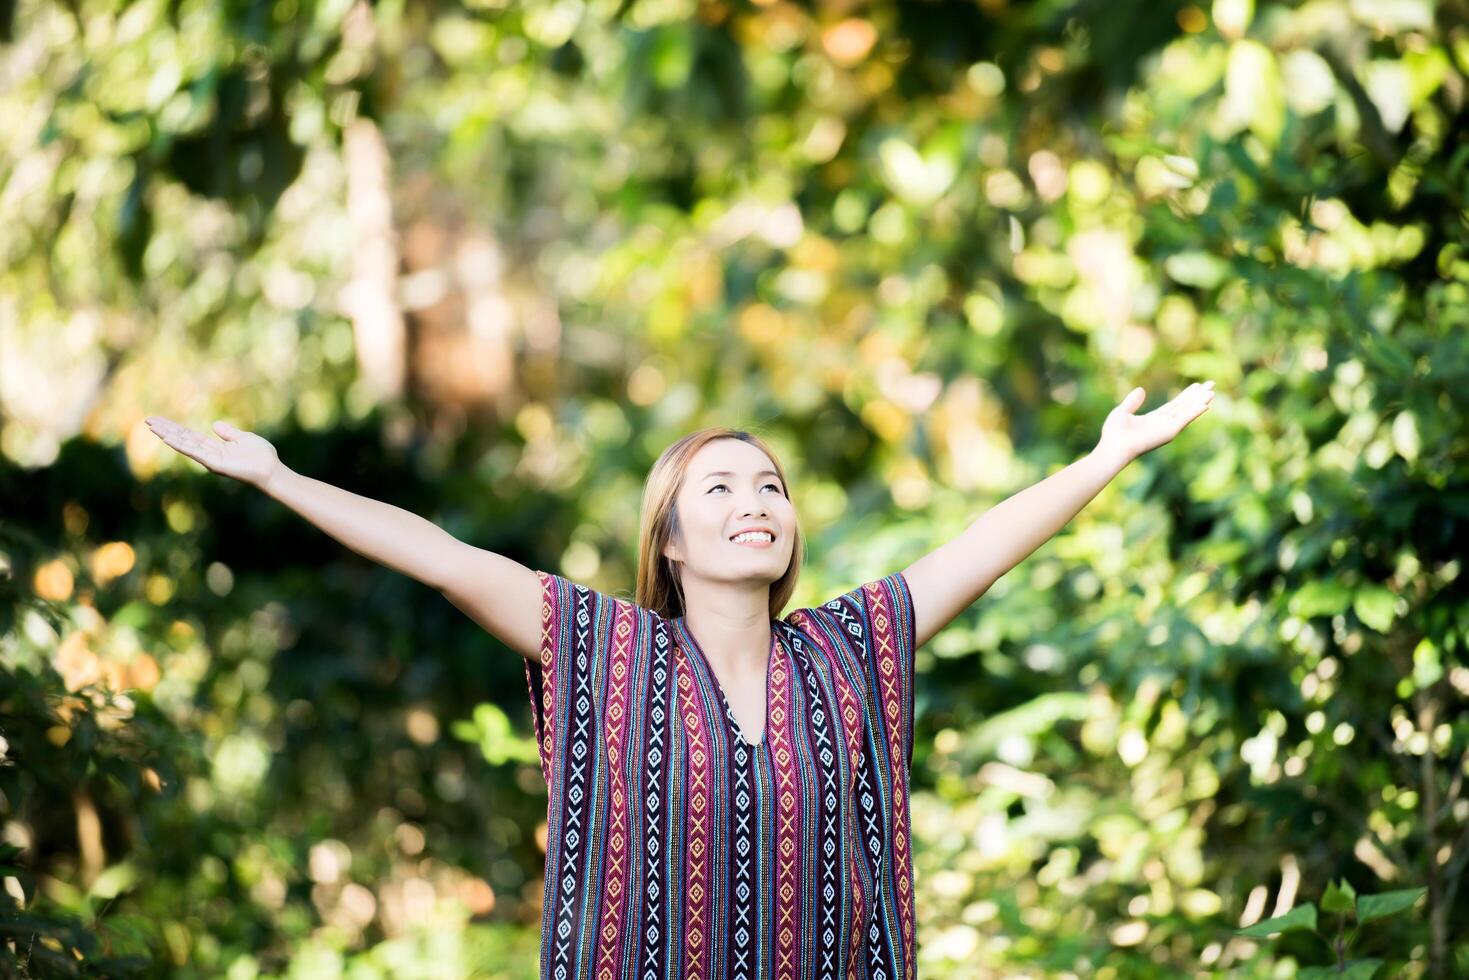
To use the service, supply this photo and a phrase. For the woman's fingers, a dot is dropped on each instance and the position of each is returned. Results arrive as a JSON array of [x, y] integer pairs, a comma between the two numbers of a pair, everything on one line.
[[185, 440], [1193, 400], [168, 430], [227, 432], [1196, 394], [235, 453], [1187, 405]]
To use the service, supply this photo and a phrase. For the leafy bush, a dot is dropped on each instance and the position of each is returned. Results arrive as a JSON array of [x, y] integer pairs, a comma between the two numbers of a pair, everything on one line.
[[1343, 901]]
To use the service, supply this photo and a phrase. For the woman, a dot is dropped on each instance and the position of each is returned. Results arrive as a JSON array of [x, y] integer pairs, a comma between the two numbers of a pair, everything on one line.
[[728, 789]]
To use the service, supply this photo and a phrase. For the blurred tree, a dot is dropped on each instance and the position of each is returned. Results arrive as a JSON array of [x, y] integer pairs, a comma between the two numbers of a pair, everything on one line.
[[924, 246]]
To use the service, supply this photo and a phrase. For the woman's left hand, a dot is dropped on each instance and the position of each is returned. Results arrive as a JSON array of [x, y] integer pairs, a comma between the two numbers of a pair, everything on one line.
[[1127, 436]]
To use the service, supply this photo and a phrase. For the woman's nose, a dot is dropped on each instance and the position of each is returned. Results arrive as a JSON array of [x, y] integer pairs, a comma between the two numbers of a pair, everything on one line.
[[758, 508]]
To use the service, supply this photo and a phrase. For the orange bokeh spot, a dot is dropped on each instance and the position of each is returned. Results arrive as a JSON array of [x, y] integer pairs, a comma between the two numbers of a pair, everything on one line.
[[849, 41], [53, 581]]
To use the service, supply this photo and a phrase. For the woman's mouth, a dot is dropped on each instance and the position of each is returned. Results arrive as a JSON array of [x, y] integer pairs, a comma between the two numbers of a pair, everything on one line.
[[753, 539]]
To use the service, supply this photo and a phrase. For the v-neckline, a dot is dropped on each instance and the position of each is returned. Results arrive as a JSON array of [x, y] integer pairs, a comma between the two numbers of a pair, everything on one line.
[[734, 723]]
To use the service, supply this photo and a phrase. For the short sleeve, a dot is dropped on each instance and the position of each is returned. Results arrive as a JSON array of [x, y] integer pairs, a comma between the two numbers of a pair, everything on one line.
[[582, 632], [876, 621]]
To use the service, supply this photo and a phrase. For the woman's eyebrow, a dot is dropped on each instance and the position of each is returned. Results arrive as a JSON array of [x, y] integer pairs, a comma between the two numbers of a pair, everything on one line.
[[728, 473]]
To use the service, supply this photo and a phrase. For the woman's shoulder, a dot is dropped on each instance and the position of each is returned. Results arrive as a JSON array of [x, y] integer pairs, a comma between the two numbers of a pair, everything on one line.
[[569, 592]]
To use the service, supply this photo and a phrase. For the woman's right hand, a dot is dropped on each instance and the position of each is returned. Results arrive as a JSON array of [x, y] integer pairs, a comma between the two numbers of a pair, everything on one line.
[[242, 455]]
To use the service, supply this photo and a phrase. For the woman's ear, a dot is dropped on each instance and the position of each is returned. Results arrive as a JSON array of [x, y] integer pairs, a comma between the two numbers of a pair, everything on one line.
[[670, 547]]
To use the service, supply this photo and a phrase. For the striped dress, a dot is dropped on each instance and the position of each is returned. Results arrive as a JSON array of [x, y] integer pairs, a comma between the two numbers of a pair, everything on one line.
[[676, 848]]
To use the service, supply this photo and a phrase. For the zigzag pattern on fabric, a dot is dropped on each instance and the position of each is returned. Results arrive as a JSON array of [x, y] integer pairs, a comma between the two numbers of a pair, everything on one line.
[[677, 849]]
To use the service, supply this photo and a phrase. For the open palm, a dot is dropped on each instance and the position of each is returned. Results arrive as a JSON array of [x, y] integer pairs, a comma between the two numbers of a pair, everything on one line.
[[1128, 436], [241, 455]]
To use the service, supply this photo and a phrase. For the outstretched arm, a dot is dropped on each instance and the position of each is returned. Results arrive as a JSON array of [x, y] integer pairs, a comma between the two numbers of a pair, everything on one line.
[[499, 593], [948, 579]]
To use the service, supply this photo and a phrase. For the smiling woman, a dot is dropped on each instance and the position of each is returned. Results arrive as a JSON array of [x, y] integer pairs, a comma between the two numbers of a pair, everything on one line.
[[728, 791], [678, 844], [703, 490]]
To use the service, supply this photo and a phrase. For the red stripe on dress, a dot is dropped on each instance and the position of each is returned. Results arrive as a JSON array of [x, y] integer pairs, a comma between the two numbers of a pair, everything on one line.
[[550, 636], [698, 914], [787, 823], [890, 685], [617, 866], [850, 712]]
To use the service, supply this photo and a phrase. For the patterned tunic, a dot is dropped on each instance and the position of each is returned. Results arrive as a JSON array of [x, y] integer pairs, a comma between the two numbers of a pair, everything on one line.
[[676, 848]]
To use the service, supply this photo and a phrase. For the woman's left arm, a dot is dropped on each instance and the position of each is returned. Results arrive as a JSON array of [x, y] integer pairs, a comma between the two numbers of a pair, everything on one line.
[[948, 579]]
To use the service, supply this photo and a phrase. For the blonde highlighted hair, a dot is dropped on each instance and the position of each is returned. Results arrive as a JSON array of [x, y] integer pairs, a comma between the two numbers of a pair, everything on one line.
[[659, 588]]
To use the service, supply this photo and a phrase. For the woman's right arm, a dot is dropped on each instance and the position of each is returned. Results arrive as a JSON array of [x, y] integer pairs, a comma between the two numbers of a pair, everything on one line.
[[499, 593]]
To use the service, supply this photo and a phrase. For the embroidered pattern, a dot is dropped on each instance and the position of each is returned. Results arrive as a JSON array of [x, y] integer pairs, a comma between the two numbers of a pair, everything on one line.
[[676, 848], [614, 886]]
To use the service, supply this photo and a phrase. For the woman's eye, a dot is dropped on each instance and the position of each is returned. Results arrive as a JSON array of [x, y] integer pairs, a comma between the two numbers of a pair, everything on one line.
[[718, 485]]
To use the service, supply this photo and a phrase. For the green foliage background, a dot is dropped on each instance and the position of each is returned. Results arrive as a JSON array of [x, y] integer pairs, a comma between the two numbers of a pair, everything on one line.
[[924, 247]]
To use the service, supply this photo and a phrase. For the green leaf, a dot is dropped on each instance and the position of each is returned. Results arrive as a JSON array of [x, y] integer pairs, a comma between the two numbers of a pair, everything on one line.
[[1253, 92], [1320, 599], [1233, 16], [1198, 269], [1405, 437], [672, 57], [115, 880], [1371, 907], [913, 176], [1338, 898], [1300, 917], [1387, 356], [1374, 606], [1032, 719], [1427, 664], [497, 742], [128, 934]]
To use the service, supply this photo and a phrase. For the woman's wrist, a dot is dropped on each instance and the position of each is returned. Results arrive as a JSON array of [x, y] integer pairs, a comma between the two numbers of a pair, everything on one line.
[[278, 478], [1114, 461]]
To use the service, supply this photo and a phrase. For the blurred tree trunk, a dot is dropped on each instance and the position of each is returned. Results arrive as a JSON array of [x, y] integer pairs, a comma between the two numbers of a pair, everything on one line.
[[370, 297]]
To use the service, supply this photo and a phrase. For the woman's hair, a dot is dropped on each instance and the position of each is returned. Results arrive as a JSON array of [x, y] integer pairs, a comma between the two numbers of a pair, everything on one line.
[[659, 588]]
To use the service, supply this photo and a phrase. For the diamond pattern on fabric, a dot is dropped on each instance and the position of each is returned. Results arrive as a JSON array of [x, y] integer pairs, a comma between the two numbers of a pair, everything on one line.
[[677, 849]]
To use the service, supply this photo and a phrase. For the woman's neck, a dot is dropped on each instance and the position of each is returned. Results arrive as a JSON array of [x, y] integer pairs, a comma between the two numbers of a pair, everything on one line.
[[731, 623]]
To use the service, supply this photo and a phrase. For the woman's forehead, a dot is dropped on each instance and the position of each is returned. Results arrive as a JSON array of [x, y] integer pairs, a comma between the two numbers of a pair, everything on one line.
[[730, 456]]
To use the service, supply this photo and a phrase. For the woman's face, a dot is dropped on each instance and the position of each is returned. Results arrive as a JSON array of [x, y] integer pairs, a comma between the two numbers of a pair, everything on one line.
[[730, 486]]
